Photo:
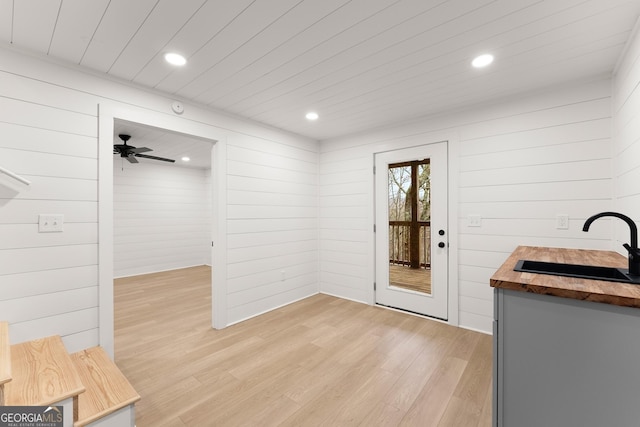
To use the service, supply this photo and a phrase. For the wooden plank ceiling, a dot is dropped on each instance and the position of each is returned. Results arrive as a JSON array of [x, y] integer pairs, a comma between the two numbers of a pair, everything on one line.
[[361, 64]]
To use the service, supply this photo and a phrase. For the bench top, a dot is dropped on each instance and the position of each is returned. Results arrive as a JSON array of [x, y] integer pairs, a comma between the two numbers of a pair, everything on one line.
[[42, 373], [107, 389]]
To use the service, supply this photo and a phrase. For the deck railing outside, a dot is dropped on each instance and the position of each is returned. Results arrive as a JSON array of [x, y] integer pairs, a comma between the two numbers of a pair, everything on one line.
[[400, 243]]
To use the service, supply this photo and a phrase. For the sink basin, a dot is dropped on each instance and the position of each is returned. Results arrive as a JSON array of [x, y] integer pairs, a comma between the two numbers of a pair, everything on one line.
[[610, 274]]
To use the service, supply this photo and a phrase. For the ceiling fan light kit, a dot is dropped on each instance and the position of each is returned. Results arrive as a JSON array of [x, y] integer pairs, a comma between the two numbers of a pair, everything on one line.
[[130, 152]]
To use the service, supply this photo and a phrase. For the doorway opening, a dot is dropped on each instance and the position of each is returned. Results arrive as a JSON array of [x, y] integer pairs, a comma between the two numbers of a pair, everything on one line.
[[108, 115], [162, 233]]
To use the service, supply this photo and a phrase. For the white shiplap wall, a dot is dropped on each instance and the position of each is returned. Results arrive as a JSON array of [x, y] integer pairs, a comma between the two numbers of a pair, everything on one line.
[[626, 111], [162, 217], [272, 224], [517, 164], [48, 281], [49, 124]]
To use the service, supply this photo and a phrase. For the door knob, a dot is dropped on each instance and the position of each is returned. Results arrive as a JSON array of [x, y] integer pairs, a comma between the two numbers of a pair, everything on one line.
[[441, 245], [441, 232]]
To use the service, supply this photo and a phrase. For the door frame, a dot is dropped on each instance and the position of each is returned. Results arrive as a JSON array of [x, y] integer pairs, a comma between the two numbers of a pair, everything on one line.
[[453, 207], [107, 114]]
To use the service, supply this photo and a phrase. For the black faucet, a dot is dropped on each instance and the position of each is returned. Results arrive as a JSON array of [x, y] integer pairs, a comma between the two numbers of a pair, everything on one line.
[[634, 252]]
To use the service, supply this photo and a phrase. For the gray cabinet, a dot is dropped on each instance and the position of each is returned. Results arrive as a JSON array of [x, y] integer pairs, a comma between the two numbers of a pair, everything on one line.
[[560, 362]]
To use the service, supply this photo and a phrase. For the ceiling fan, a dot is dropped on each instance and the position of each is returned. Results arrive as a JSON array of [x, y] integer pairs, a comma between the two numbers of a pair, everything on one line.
[[130, 152]]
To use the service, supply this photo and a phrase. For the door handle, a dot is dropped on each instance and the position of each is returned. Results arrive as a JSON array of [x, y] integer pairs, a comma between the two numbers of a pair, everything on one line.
[[441, 245]]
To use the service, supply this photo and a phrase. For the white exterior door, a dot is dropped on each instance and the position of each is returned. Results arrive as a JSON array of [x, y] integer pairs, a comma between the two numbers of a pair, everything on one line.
[[411, 242]]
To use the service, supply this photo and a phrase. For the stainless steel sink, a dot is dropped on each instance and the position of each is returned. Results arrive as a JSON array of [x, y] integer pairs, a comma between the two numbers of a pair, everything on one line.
[[610, 274]]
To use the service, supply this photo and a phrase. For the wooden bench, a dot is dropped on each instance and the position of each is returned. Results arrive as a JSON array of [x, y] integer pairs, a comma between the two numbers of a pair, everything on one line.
[[109, 397], [5, 359], [43, 374]]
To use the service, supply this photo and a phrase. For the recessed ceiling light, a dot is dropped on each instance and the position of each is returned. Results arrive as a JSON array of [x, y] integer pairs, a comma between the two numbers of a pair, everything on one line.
[[185, 159], [175, 59], [312, 115], [482, 60]]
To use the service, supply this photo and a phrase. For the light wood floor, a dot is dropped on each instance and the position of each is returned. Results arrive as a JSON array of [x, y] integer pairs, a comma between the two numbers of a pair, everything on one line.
[[418, 279], [320, 361]]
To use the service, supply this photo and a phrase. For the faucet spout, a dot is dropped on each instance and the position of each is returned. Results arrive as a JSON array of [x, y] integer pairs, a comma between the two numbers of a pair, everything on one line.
[[632, 248]]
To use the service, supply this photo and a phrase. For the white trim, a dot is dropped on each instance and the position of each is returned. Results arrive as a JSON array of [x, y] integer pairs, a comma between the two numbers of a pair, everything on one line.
[[370, 297], [219, 234], [105, 229], [107, 113], [274, 308], [481, 331], [453, 154], [345, 298]]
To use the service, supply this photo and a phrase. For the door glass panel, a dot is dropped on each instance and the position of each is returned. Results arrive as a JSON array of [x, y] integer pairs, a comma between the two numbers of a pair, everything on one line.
[[410, 226]]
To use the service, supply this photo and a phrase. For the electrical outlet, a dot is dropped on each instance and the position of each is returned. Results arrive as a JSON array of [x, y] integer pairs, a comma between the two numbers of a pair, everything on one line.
[[474, 221], [50, 223], [562, 222]]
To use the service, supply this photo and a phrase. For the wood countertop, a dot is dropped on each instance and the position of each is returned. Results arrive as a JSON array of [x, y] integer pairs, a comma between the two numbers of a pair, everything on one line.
[[616, 293]]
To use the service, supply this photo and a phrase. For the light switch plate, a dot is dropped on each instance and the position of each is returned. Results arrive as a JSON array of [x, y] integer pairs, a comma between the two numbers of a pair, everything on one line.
[[474, 221], [562, 222], [50, 223]]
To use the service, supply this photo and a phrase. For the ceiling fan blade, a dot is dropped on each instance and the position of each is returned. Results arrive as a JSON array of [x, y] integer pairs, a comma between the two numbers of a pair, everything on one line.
[[132, 159], [155, 158], [139, 150]]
